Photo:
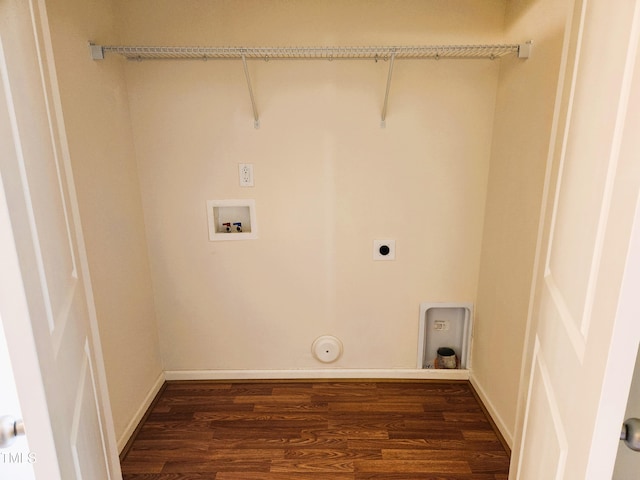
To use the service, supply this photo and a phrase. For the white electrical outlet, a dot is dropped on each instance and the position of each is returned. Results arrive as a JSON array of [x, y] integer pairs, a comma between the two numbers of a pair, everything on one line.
[[441, 325], [245, 170]]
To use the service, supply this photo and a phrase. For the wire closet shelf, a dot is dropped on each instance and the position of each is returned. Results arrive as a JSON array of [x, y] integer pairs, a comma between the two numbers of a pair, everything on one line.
[[327, 53], [436, 52]]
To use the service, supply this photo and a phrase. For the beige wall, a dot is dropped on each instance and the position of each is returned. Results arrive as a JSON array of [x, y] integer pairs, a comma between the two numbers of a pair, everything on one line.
[[524, 109], [328, 179], [96, 115]]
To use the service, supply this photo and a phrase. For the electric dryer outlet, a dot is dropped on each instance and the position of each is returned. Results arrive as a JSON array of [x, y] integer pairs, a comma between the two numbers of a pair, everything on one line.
[[384, 249]]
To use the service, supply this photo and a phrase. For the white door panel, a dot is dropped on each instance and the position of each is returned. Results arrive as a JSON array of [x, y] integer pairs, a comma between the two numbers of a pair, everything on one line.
[[16, 461], [550, 456], [49, 287], [578, 310]]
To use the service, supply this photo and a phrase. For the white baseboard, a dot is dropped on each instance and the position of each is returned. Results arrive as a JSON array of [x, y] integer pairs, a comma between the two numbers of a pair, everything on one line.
[[137, 418], [328, 373], [497, 419]]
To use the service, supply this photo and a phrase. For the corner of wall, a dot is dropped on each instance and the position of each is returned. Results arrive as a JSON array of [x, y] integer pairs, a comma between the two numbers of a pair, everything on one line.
[[504, 429], [129, 430]]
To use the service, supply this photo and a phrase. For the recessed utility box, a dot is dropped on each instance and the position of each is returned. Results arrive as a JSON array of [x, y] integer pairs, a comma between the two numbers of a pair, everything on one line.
[[232, 219], [444, 325]]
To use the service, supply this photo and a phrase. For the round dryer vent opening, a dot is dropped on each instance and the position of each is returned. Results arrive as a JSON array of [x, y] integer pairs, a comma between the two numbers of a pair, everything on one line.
[[327, 348]]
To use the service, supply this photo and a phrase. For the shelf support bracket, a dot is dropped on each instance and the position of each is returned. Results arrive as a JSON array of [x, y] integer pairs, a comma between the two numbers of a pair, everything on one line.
[[383, 122], [524, 50], [96, 51], [256, 120]]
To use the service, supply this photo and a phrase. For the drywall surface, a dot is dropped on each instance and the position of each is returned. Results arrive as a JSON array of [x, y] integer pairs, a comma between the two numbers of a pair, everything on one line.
[[96, 117], [524, 110], [328, 179]]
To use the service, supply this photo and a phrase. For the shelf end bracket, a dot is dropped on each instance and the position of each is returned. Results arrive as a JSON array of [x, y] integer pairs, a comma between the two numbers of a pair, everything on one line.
[[524, 49], [96, 51]]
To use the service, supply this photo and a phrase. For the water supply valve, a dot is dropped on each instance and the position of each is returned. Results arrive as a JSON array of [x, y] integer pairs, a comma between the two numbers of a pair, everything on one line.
[[238, 226]]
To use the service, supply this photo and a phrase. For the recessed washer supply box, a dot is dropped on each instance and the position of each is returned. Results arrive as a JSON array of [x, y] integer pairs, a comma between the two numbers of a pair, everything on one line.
[[232, 219], [444, 325]]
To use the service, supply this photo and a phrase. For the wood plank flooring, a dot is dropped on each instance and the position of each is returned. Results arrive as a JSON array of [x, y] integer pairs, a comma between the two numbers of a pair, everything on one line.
[[338, 430]]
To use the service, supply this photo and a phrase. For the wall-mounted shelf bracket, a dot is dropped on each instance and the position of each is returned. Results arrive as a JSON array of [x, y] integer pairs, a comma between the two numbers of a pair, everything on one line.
[[524, 49], [256, 119], [96, 51], [383, 123]]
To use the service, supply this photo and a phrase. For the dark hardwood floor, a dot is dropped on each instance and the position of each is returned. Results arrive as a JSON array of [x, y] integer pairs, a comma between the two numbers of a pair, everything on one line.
[[338, 430]]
